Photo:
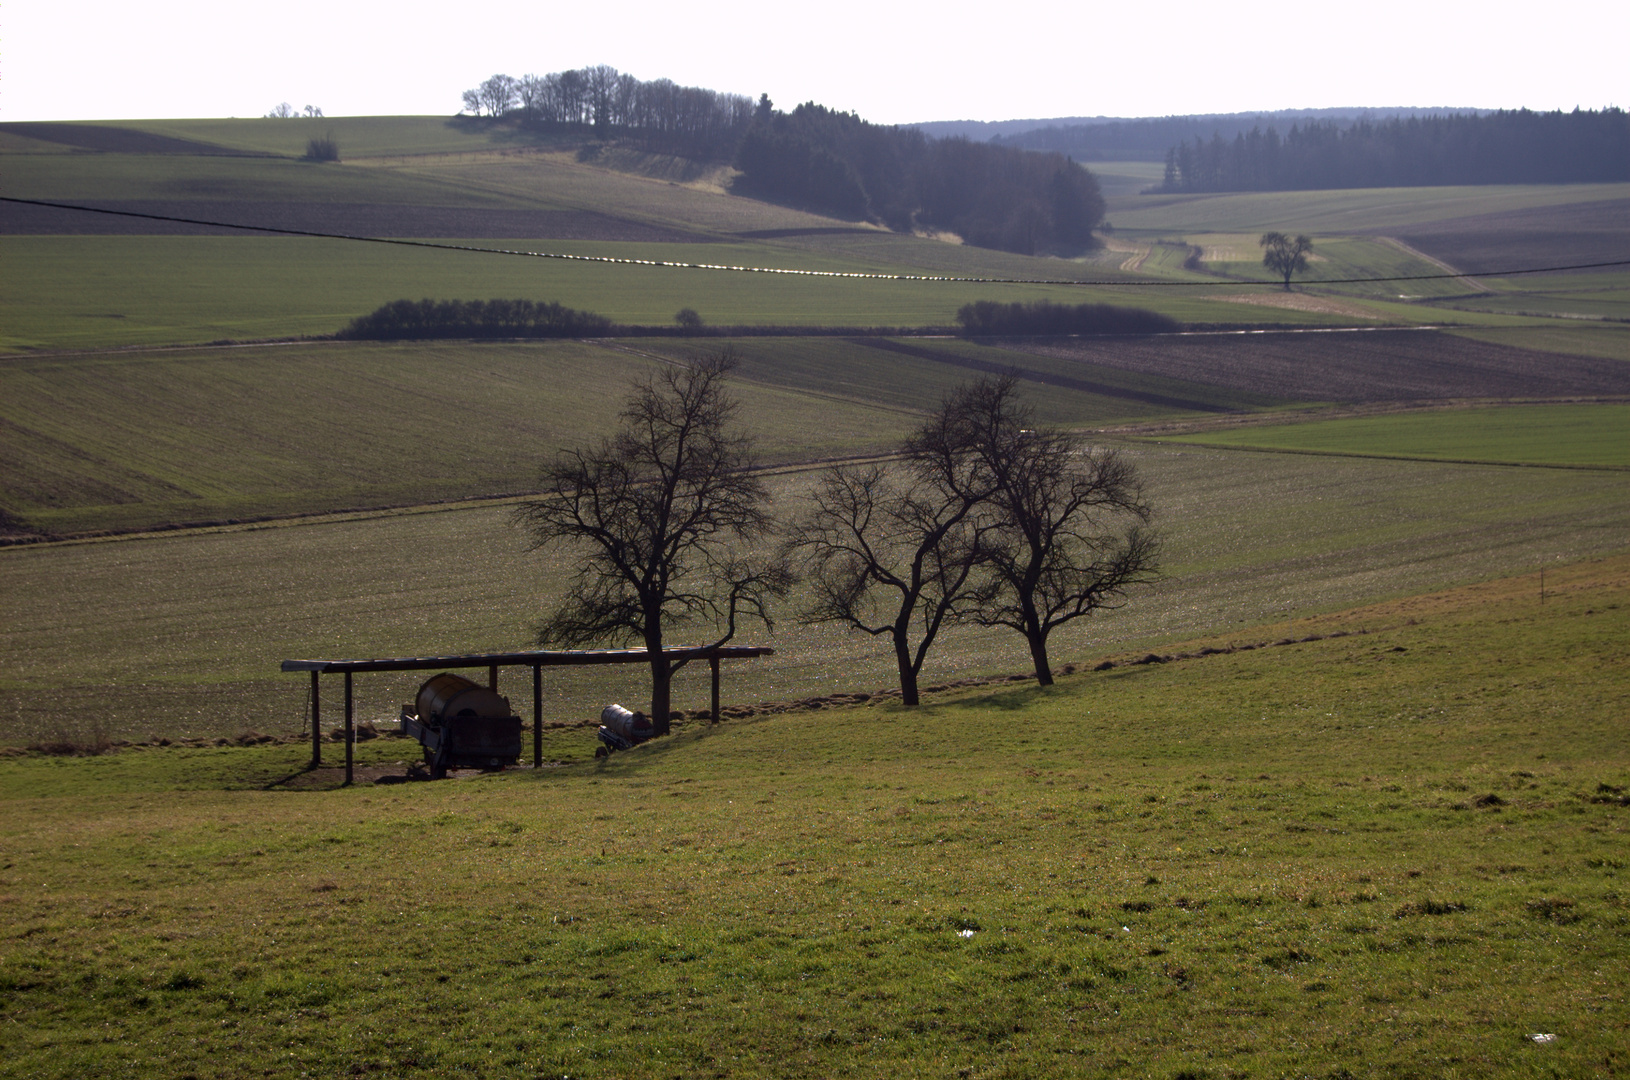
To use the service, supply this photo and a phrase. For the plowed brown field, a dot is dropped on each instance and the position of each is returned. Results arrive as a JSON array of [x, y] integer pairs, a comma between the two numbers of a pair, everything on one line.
[[1378, 365]]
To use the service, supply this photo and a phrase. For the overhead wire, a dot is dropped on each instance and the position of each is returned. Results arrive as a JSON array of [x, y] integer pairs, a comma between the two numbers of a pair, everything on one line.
[[856, 274]]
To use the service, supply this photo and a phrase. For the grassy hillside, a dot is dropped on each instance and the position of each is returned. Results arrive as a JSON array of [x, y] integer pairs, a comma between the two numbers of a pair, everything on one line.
[[1398, 851], [181, 634]]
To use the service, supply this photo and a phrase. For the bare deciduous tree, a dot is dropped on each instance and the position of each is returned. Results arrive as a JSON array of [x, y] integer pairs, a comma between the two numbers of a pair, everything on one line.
[[658, 513], [1047, 538], [891, 552], [1285, 255]]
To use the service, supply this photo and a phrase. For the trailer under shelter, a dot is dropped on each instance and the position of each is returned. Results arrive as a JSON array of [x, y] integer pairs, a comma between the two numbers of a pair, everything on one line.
[[536, 659]]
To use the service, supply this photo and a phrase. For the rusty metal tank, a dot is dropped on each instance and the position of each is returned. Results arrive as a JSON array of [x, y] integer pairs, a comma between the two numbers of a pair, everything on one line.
[[447, 695]]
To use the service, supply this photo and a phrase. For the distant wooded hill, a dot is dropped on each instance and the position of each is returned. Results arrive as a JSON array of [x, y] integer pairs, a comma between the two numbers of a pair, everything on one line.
[[1115, 138], [818, 159], [1505, 147]]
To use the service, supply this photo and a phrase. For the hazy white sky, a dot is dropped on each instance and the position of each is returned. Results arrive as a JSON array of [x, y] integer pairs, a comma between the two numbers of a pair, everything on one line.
[[889, 62]]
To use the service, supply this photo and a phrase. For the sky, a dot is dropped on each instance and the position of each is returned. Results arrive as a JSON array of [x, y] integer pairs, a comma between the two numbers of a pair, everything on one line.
[[888, 62]]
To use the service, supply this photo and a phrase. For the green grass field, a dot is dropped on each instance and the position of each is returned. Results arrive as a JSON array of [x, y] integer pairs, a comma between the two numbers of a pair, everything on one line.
[[1399, 852], [1355, 825], [1588, 435]]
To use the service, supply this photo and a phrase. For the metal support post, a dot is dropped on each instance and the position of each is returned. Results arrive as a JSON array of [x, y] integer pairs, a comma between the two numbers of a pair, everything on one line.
[[316, 724], [350, 730], [537, 716]]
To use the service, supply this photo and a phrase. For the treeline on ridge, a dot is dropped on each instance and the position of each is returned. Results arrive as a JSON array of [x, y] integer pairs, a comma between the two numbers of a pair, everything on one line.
[[819, 159], [1506, 147], [402, 320], [991, 318]]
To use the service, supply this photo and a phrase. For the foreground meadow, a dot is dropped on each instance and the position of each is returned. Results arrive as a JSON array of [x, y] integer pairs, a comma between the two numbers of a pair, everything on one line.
[[1396, 848]]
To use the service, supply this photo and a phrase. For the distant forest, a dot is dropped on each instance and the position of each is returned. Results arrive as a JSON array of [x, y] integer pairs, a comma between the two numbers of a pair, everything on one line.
[[1108, 138], [1505, 147], [815, 158]]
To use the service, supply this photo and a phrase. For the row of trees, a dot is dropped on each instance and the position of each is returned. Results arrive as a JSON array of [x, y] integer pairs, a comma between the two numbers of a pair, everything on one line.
[[981, 518], [819, 159], [659, 115], [1505, 147], [284, 111]]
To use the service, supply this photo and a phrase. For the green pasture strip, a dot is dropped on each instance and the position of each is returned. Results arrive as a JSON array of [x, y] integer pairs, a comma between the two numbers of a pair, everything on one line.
[[1343, 257], [1583, 435], [84, 292], [1581, 297], [1610, 341], [1398, 852], [1344, 212], [181, 634], [139, 439]]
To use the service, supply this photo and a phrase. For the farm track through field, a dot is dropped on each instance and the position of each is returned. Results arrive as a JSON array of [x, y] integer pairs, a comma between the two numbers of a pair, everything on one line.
[[1380, 365], [1539, 236], [1470, 283]]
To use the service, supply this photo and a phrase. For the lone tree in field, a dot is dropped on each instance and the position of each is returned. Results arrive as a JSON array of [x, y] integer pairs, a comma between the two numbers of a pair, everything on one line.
[[1061, 528], [1285, 255], [891, 551], [656, 513]]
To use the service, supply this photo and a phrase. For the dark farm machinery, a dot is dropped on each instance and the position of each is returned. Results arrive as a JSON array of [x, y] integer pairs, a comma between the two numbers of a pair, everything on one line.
[[462, 725]]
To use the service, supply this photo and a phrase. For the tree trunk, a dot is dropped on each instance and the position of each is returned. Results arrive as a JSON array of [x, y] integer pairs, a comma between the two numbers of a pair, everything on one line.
[[908, 674], [661, 693], [1038, 655]]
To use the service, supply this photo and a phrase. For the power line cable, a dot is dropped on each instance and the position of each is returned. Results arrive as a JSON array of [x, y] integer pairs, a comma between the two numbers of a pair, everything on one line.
[[665, 263]]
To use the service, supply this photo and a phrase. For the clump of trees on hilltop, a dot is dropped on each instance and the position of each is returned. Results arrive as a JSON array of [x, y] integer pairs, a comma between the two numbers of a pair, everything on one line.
[[819, 159], [991, 196], [1505, 147]]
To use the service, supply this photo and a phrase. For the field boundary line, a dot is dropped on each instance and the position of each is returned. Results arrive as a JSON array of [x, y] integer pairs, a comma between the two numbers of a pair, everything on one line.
[[1471, 283], [1570, 466]]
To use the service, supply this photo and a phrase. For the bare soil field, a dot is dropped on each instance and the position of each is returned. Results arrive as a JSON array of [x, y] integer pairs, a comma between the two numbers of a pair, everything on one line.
[[1542, 236], [1375, 365], [355, 219]]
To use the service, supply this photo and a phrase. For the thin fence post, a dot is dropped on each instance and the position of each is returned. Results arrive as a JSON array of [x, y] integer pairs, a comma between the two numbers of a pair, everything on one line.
[[350, 734], [537, 716], [316, 724], [492, 677]]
